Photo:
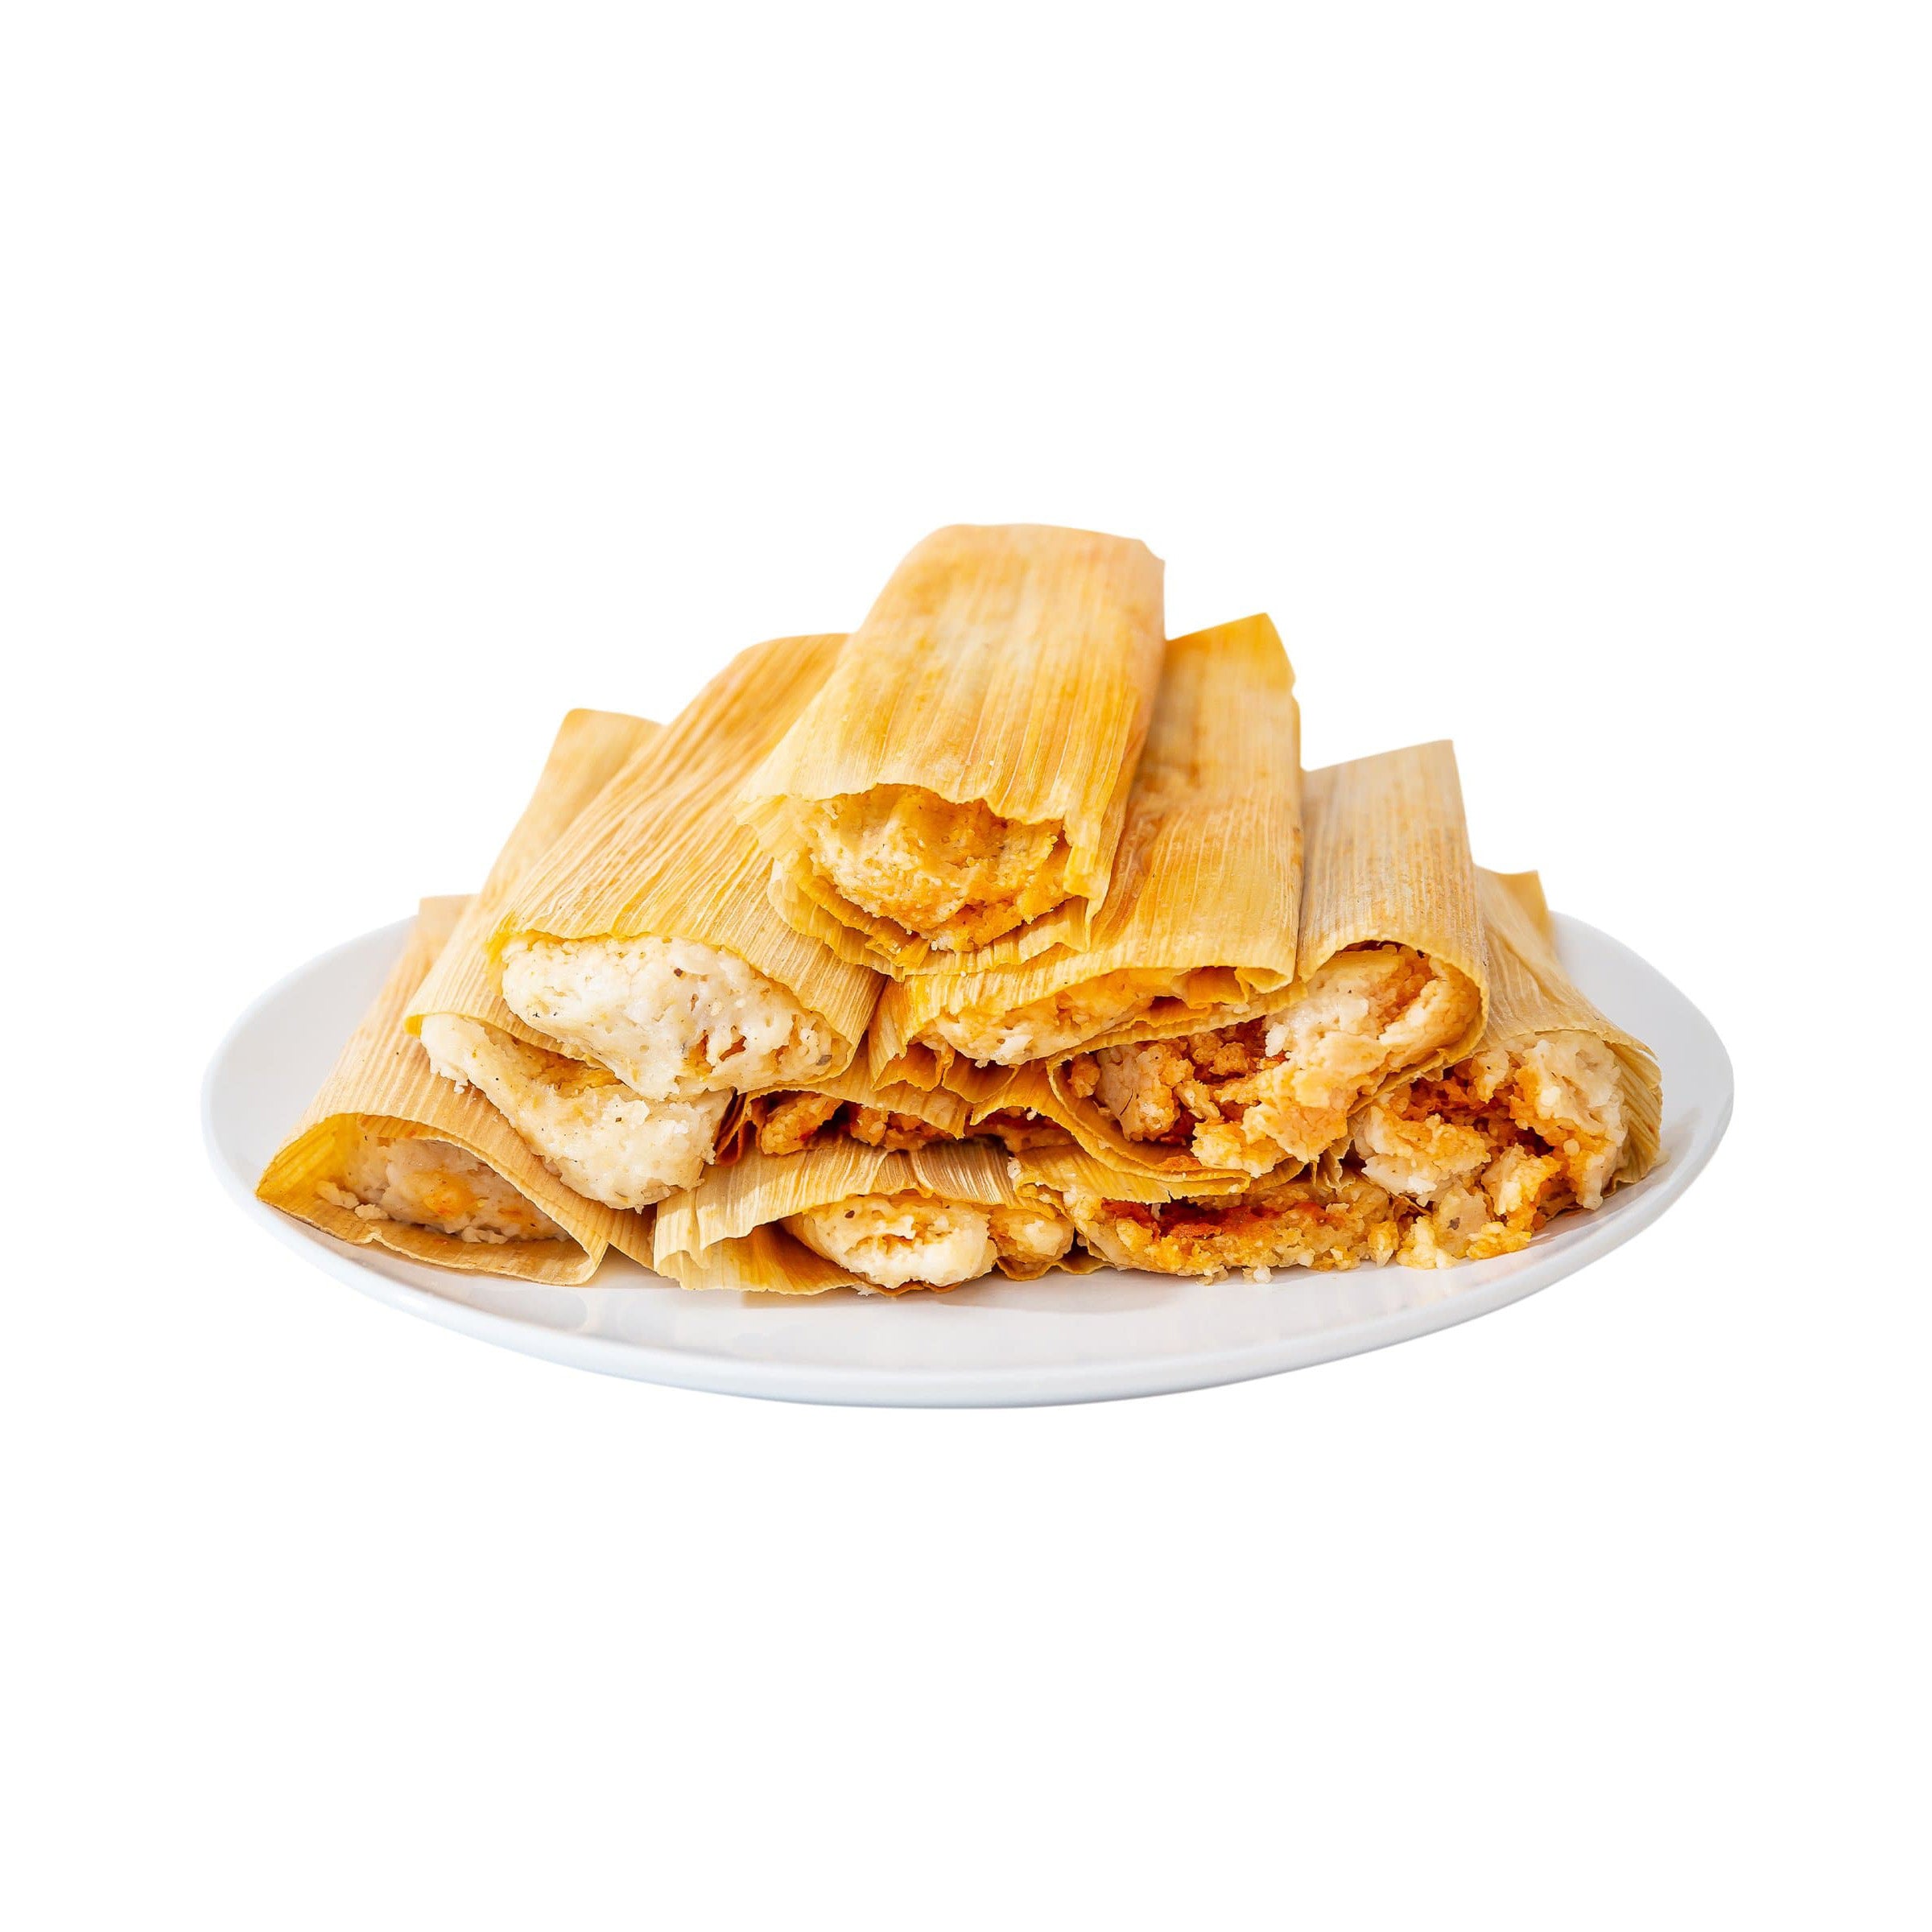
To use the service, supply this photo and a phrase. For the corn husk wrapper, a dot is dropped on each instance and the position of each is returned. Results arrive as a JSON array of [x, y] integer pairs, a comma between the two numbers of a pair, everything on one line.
[[1207, 880], [1388, 861], [1531, 994], [1014, 665], [1525, 892], [1060, 1173], [937, 1107], [1040, 1088], [383, 1081], [725, 1233], [659, 854], [591, 747]]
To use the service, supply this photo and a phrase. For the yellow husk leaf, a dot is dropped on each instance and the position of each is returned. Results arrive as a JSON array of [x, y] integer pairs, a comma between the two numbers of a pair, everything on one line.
[[381, 1080], [1388, 861], [1207, 880], [1055, 1172], [1531, 994], [659, 853], [589, 749], [1527, 890], [1013, 666]]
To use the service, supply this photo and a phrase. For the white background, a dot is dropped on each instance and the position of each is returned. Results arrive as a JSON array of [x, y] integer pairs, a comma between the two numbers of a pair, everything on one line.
[[380, 381]]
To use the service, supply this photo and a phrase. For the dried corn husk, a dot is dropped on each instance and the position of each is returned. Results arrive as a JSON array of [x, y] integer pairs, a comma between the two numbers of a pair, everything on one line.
[[1199, 923], [724, 1233], [937, 1107], [589, 749], [1040, 1088], [1063, 1173], [1010, 668], [1531, 994], [382, 1082], [659, 854], [1387, 862]]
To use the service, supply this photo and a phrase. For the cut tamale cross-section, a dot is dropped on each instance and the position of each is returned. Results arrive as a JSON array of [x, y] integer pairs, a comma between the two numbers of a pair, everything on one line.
[[1390, 981], [963, 775], [1323, 1222], [1556, 1106], [594, 1133], [390, 1154], [644, 940], [841, 1214], [1199, 924]]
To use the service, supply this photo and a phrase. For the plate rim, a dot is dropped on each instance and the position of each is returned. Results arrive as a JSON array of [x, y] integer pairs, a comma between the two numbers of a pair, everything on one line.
[[722, 1372]]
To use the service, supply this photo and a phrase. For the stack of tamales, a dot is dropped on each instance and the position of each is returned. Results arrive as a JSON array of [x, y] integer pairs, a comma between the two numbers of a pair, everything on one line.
[[1005, 934]]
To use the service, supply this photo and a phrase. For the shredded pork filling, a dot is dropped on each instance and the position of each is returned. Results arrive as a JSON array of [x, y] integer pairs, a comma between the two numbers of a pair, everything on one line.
[[1497, 1146], [585, 1126], [788, 1123], [1457, 1168], [1251, 1095], [671, 1017], [910, 1239], [957, 876], [1275, 1224], [432, 1184]]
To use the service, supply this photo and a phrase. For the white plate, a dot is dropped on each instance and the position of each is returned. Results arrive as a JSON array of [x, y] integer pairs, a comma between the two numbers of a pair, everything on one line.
[[1065, 1339]]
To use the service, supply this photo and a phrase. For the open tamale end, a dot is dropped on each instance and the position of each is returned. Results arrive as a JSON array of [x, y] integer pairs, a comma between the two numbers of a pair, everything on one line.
[[840, 1214], [644, 937], [1389, 981], [391, 1155], [1201, 917], [962, 778]]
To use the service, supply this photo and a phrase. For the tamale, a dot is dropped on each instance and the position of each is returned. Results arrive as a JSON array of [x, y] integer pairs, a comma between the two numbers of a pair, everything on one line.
[[644, 940], [1199, 923], [843, 1215], [389, 1153], [1555, 1106], [1390, 981], [590, 1129], [963, 775]]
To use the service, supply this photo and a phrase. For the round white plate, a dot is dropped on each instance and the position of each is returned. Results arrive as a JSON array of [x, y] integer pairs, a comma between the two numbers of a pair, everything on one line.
[[1065, 1339]]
